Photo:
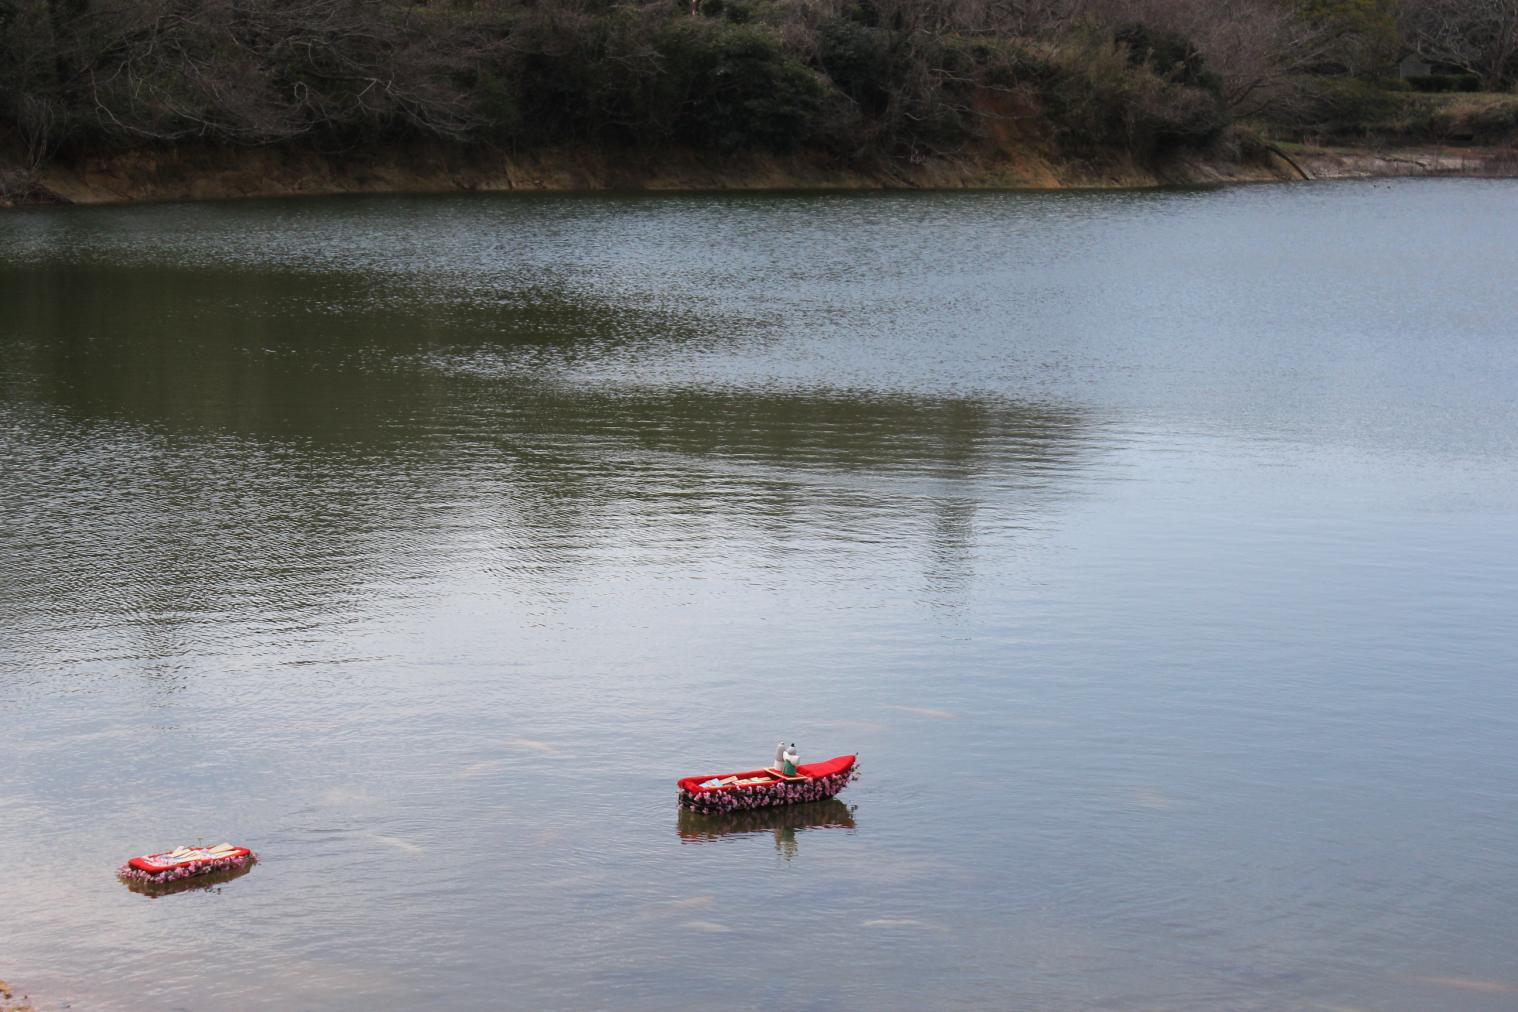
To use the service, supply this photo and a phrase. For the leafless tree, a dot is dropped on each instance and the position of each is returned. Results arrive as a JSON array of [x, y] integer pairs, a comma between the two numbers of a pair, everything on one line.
[[1478, 36], [250, 71], [1259, 49]]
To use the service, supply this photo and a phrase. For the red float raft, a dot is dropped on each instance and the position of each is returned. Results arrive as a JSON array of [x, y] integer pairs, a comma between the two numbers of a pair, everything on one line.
[[733, 792], [185, 862]]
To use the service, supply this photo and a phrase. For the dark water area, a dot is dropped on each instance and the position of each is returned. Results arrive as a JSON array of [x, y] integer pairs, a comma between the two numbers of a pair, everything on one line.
[[1157, 553]]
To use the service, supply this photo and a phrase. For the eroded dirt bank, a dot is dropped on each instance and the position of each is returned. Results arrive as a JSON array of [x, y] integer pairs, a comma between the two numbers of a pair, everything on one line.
[[183, 173], [209, 173], [1355, 163]]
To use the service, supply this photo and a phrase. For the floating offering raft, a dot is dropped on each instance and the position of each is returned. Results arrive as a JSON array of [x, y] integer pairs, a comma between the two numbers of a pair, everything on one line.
[[733, 792], [185, 862], [209, 882]]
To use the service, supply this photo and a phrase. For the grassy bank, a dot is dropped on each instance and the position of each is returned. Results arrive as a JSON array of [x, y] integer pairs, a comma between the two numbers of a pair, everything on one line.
[[1377, 119]]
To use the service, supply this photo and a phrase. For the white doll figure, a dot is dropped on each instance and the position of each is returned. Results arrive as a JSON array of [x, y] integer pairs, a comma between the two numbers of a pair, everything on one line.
[[788, 760]]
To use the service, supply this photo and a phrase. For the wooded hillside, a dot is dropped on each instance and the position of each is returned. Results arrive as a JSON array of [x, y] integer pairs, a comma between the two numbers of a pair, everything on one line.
[[869, 80]]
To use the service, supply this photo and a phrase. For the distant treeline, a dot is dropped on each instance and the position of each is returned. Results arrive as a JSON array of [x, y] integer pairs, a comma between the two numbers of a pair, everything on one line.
[[873, 79]]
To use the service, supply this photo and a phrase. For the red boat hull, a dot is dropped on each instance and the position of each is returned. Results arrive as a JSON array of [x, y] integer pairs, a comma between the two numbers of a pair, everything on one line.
[[813, 782], [161, 869]]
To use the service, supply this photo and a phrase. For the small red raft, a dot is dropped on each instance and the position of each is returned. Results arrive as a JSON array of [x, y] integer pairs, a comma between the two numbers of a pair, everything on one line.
[[185, 862], [733, 792]]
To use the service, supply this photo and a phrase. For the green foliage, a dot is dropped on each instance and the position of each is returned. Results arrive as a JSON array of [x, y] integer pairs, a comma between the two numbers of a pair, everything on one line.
[[741, 89], [498, 105], [736, 11], [1100, 100], [1367, 41], [1169, 55], [862, 62], [910, 92], [636, 78], [1247, 144]]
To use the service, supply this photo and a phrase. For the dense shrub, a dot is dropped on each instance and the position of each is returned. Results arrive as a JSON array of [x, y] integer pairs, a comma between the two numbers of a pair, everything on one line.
[[1444, 82], [639, 77], [1100, 99], [1493, 122], [740, 88], [1169, 55], [1339, 106], [910, 92]]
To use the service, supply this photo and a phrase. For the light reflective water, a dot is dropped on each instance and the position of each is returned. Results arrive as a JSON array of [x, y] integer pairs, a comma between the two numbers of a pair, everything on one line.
[[1156, 552]]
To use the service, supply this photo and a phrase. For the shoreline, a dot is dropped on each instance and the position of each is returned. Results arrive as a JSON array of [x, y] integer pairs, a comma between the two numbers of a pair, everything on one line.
[[207, 173]]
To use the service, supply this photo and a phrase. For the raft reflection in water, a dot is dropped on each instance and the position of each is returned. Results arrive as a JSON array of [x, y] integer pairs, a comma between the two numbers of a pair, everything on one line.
[[783, 822]]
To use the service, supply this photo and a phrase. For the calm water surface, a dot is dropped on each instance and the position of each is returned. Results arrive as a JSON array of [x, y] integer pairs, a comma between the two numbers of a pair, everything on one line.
[[1157, 552]]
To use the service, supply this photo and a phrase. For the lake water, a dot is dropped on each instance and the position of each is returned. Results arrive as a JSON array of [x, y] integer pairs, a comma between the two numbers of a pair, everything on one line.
[[1157, 552]]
